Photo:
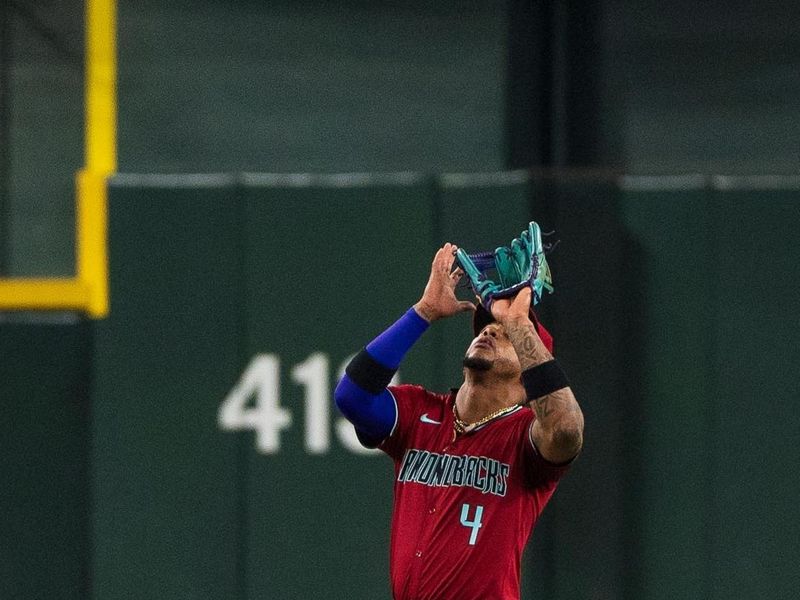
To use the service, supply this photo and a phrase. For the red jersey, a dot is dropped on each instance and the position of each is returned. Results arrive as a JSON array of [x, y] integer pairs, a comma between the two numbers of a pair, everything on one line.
[[465, 508]]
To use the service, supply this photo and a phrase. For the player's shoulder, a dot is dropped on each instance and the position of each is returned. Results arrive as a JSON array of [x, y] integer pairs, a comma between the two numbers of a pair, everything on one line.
[[417, 393], [523, 417], [514, 425], [413, 400]]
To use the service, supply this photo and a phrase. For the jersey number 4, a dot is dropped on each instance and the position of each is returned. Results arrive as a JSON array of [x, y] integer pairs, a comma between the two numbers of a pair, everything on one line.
[[474, 524]]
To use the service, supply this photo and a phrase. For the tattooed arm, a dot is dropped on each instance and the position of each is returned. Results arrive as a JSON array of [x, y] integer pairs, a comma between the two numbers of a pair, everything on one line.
[[557, 430]]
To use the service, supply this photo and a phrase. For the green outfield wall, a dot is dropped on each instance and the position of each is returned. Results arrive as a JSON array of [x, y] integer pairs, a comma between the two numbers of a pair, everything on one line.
[[187, 446], [46, 366]]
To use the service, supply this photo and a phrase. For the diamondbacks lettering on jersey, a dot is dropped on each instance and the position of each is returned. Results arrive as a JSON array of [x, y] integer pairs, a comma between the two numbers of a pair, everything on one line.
[[488, 475]]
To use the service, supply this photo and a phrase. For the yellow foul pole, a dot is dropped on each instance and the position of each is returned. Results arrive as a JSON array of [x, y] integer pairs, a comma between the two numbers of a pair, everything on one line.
[[100, 139]]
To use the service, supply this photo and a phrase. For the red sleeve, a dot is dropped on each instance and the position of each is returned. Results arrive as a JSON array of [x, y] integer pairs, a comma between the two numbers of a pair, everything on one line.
[[541, 472], [411, 401]]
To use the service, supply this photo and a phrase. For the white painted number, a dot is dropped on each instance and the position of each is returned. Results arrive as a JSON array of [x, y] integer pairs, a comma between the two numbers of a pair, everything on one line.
[[254, 403], [312, 374], [474, 524], [262, 380]]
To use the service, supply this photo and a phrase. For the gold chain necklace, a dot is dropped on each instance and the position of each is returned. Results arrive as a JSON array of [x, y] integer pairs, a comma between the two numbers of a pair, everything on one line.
[[462, 426]]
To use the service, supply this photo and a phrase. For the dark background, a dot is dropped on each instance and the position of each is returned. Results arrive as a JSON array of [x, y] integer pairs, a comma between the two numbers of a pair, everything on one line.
[[659, 141], [635, 86]]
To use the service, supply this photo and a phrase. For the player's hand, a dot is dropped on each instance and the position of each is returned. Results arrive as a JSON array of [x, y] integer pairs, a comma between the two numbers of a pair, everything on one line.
[[439, 298], [516, 308]]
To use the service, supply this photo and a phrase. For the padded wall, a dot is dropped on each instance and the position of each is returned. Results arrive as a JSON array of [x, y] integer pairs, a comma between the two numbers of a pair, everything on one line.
[[45, 370], [674, 315]]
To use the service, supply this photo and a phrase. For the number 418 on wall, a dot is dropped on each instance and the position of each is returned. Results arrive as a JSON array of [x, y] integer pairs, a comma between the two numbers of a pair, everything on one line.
[[265, 415]]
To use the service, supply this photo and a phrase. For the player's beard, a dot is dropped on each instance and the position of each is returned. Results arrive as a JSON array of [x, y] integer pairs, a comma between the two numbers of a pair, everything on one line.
[[477, 364]]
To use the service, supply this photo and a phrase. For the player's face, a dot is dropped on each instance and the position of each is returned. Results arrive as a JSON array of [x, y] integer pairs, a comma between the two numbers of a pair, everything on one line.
[[493, 350]]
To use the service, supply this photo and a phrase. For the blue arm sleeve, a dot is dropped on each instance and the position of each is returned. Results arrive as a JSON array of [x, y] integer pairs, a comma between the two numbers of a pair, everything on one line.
[[374, 415], [391, 346]]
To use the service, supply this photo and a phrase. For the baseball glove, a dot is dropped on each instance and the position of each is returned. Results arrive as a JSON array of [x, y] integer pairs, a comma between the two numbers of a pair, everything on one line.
[[504, 272]]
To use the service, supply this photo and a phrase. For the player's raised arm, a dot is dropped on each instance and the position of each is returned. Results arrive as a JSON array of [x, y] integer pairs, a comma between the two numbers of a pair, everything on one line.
[[557, 430], [361, 395]]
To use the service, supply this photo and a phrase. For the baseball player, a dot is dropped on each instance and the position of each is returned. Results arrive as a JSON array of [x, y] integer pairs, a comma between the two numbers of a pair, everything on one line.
[[475, 467]]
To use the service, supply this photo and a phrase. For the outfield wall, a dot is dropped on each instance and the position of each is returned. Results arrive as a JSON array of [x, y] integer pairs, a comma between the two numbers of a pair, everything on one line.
[[674, 316]]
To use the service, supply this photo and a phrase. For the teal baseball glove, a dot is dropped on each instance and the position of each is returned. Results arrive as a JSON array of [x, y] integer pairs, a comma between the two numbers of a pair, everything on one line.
[[504, 272]]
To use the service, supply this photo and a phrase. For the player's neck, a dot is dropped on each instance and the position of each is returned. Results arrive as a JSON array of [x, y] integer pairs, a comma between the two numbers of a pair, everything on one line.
[[480, 396]]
